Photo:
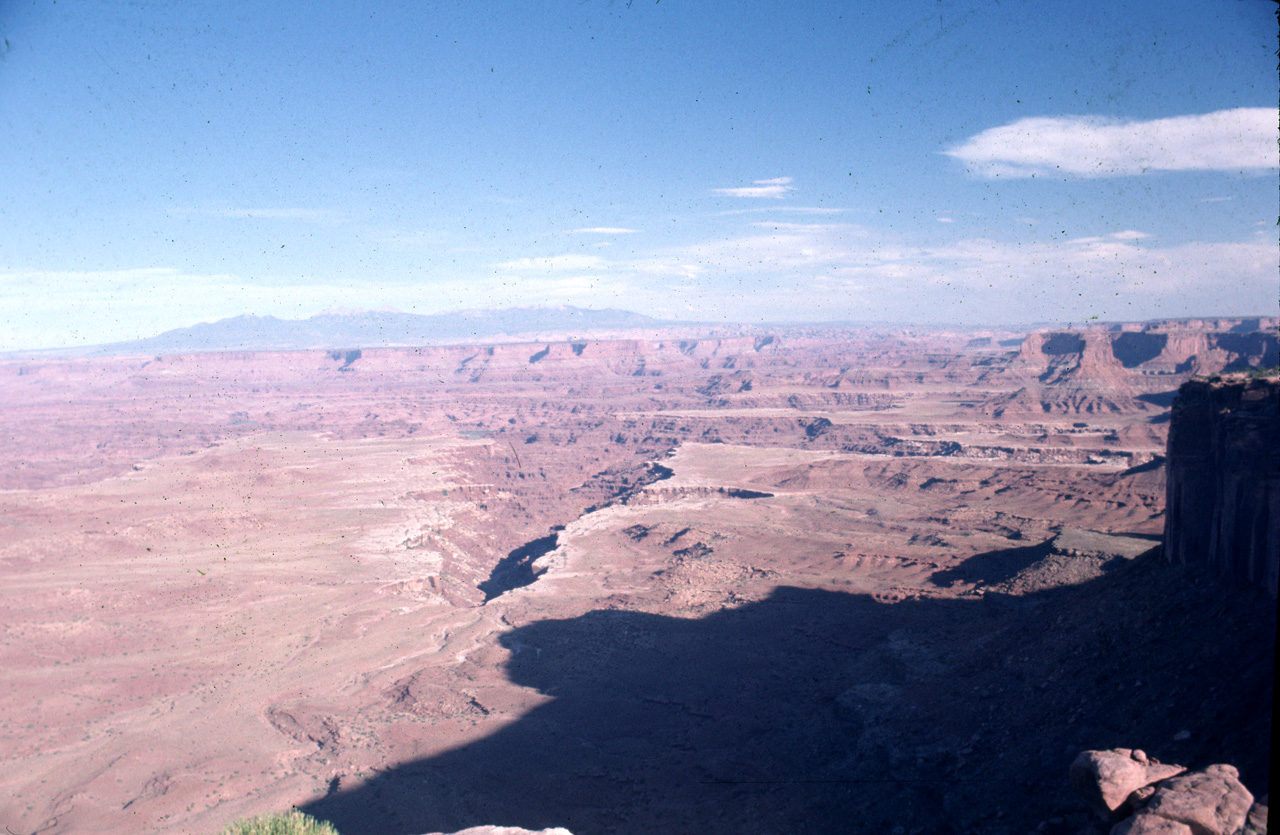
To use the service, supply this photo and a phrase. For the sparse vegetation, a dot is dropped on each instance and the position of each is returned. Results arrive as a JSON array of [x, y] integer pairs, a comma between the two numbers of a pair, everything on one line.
[[1258, 372], [290, 823]]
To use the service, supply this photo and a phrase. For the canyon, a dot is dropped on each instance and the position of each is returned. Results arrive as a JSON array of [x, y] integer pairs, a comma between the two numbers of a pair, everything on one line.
[[793, 580]]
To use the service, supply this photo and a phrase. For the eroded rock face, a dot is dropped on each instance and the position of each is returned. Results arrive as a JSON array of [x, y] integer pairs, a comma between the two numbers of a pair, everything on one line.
[[1223, 504], [1107, 780]]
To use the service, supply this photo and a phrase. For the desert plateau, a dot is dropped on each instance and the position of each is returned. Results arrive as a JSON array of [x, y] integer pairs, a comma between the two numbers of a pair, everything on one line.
[[879, 579]]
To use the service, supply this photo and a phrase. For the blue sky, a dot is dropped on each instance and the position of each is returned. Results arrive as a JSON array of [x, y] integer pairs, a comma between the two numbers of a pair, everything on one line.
[[926, 161]]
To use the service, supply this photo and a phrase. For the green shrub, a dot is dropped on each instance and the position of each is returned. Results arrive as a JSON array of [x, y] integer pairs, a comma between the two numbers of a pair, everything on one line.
[[290, 823]]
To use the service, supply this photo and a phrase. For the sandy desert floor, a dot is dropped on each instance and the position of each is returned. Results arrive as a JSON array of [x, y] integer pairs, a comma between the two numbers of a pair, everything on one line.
[[839, 583]]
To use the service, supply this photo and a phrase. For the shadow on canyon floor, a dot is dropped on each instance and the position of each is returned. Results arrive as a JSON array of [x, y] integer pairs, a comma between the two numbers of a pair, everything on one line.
[[993, 567], [818, 711]]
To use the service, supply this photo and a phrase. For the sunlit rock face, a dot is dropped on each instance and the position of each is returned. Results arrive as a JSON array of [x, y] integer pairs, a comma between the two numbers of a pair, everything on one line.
[[1155, 798], [1224, 479]]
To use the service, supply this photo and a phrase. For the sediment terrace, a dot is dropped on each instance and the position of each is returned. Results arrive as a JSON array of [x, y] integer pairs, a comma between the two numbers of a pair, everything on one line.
[[242, 582]]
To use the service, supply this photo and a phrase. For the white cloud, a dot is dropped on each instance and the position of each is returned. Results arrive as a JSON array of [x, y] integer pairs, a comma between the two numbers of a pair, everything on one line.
[[945, 220], [1243, 139], [605, 230], [775, 188], [775, 192]]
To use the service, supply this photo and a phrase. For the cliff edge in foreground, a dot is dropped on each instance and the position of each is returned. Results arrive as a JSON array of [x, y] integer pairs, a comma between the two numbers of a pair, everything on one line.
[[1223, 506]]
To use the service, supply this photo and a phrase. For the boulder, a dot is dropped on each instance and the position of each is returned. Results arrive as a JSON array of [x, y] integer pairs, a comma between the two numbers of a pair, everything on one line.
[[1212, 801], [1256, 824], [1107, 779], [1150, 825]]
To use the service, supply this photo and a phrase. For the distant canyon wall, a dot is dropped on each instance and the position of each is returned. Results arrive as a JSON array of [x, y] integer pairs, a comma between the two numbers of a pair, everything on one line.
[[1223, 505], [1173, 347], [1111, 369]]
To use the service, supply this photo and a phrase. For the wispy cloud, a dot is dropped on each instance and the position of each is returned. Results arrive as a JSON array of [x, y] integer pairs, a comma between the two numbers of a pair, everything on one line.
[[114, 305], [411, 238], [787, 226], [1243, 139], [804, 210], [775, 188], [59, 308], [860, 273], [771, 270], [554, 263], [294, 213], [605, 230]]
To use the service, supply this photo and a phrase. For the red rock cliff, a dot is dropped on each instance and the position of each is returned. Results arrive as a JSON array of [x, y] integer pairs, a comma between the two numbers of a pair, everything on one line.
[[1223, 507]]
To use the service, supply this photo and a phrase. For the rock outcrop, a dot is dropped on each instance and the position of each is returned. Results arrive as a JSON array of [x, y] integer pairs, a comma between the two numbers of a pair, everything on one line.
[[1212, 801], [1223, 501], [1109, 780], [1165, 799]]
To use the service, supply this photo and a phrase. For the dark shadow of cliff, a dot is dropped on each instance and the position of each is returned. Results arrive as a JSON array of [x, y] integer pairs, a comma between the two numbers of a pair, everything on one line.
[[818, 711], [993, 567]]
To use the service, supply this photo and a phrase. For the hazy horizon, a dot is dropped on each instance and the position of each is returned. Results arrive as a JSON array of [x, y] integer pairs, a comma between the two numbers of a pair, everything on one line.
[[934, 163], [498, 336]]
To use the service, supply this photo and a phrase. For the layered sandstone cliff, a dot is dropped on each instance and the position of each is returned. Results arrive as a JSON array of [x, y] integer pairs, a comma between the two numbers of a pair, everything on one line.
[[1223, 507], [1118, 369]]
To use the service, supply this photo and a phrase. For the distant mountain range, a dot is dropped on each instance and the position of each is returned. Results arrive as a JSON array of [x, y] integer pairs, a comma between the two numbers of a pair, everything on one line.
[[375, 329]]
